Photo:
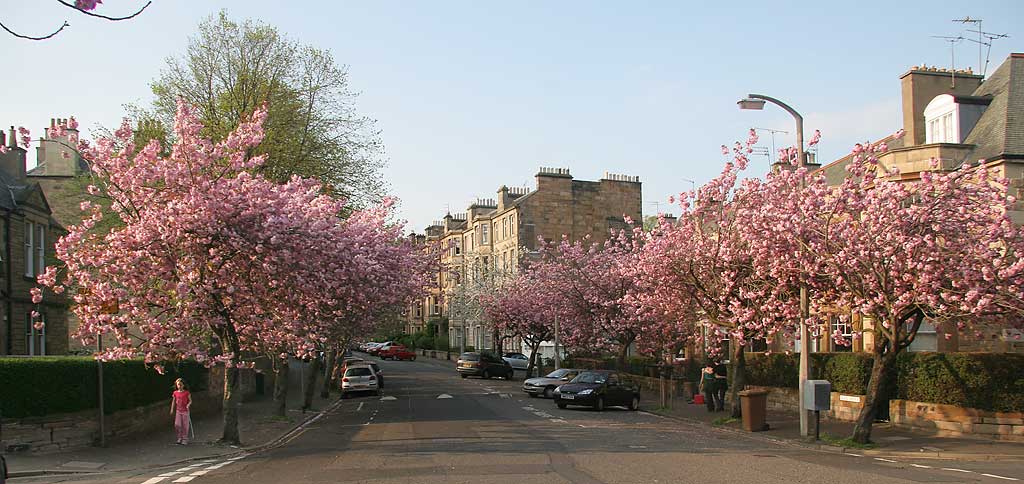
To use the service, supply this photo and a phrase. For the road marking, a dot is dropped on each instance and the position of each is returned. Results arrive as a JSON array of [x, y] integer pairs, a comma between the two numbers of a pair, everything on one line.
[[387, 398], [169, 474], [506, 395], [360, 406], [154, 480], [185, 479], [199, 473], [919, 466], [638, 447], [239, 457], [885, 460], [1001, 477], [855, 455], [956, 470], [183, 469], [218, 466], [558, 420], [443, 396], [208, 461]]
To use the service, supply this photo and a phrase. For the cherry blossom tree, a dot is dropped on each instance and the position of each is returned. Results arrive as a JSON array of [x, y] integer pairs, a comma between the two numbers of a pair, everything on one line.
[[210, 262], [593, 283], [700, 272], [900, 253], [524, 307], [85, 7]]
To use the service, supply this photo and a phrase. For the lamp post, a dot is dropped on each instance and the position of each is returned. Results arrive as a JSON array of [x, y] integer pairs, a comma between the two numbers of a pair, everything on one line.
[[757, 101]]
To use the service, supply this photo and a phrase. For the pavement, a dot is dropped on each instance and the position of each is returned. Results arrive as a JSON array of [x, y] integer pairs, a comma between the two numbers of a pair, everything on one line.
[[257, 426]]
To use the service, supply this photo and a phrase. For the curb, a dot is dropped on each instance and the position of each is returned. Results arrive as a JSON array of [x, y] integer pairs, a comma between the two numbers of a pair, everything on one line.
[[834, 449], [280, 440]]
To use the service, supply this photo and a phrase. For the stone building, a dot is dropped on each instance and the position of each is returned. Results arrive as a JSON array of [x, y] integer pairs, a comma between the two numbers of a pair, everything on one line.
[[29, 231], [492, 237], [955, 117]]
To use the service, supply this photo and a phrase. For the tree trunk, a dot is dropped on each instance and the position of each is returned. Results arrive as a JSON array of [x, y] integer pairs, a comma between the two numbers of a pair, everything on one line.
[[325, 390], [739, 380], [880, 369], [623, 354], [232, 383], [533, 359], [314, 369], [281, 387]]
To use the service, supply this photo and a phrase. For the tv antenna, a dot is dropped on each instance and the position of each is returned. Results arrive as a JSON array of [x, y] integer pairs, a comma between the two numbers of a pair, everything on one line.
[[990, 36], [773, 133], [952, 53], [977, 23]]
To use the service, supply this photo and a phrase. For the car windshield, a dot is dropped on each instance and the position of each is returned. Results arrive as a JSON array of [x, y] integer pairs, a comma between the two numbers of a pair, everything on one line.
[[358, 371], [470, 357], [590, 377], [558, 373]]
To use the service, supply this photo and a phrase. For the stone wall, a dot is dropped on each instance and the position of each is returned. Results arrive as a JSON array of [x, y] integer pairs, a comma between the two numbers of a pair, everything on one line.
[[949, 420], [53, 433], [845, 407]]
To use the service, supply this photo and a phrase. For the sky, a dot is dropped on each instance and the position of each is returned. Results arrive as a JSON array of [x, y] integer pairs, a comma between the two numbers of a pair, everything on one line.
[[472, 95]]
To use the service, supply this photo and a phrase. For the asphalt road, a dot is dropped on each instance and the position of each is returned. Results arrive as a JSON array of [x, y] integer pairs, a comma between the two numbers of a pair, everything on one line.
[[433, 427]]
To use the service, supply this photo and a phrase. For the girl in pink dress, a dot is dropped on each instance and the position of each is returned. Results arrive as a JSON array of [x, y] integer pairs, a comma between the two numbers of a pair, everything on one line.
[[181, 402]]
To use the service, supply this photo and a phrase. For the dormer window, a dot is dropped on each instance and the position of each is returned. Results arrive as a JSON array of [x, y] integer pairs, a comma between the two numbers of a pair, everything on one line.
[[940, 118]]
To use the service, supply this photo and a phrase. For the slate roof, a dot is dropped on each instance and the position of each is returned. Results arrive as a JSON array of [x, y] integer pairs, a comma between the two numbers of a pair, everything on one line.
[[1000, 130]]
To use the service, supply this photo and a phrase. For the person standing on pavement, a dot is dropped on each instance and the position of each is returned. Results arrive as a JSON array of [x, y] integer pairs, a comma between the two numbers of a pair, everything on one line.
[[722, 377], [181, 405], [709, 386]]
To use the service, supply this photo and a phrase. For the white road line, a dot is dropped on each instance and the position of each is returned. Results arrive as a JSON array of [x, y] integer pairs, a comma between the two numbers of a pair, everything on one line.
[[183, 469], [1001, 477], [506, 395], [154, 480], [360, 406], [169, 474], [208, 461], [239, 457], [855, 455], [885, 460], [218, 466], [919, 466], [956, 470], [199, 473], [185, 479]]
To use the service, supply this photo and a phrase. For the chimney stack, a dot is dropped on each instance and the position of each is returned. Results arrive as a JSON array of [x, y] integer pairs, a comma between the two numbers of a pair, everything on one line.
[[920, 85]]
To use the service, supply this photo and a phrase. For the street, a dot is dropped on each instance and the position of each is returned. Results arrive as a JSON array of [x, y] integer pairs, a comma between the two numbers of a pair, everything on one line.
[[430, 426]]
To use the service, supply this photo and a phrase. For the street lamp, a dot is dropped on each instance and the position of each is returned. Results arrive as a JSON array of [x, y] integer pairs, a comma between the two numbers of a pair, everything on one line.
[[757, 101]]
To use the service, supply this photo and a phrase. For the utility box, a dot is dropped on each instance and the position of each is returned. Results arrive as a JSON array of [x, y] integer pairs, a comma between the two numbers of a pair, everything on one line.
[[817, 395]]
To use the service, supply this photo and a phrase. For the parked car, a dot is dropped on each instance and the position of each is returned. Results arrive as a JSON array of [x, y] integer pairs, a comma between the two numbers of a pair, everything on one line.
[[359, 378], [397, 352], [376, 370], [484, 365], [598, 389], [518, 361], [376, 349], [546, 385]]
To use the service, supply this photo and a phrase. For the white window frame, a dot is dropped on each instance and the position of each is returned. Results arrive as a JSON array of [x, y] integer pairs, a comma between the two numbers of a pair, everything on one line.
[[941, 117], [485, 236], [29, 252], [31, 333], [845, 328], [41, 248]]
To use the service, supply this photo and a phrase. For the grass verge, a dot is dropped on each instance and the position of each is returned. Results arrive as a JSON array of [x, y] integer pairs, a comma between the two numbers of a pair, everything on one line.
[[845, 442]]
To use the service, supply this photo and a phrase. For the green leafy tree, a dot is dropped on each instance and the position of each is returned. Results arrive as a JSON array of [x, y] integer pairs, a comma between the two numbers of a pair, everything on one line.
[[313, 129]]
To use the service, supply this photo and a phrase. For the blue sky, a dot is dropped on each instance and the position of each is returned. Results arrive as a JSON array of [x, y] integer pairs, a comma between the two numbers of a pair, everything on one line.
[[473, 95]]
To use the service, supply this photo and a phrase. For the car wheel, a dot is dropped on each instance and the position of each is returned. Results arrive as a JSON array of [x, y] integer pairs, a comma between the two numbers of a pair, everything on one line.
[[549, 392], [463, 375], [634, 404], [487, 375], [562, 405], [599, 404]]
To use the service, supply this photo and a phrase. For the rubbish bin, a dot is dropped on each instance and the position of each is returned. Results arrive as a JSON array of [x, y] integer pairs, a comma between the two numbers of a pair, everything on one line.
[[754, 405]]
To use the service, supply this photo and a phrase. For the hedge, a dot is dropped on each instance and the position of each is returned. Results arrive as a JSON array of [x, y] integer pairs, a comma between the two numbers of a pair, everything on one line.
[[49, 385], [986, 381]]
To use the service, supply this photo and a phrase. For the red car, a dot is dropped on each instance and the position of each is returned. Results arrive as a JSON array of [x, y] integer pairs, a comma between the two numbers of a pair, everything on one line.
[[396, 352]]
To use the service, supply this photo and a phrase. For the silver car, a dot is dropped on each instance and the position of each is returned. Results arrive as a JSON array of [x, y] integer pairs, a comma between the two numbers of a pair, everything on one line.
[[546, 385], [359, 378]]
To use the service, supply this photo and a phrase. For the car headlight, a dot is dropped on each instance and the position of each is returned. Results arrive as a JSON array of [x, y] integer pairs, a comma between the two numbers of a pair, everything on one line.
[[587, 391]]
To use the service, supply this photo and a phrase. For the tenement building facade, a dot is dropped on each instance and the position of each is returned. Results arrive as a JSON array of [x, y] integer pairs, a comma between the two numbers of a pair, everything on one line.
[[492, 237]]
